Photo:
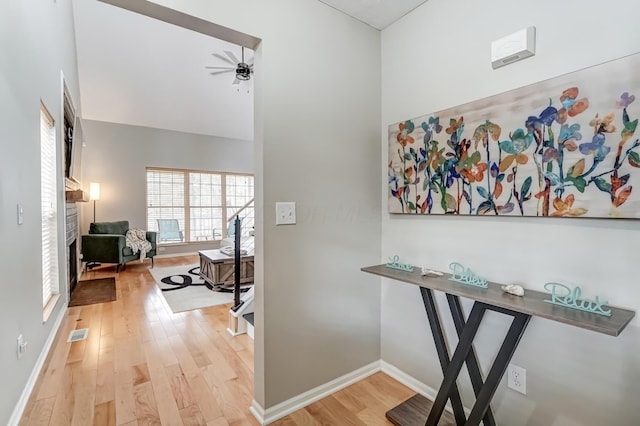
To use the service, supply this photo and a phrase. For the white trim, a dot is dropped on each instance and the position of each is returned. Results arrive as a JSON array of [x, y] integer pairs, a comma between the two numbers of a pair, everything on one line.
[[407, 380], [162, 256], [233, 333], [414, 384], [18, 410], [281, 410], [257, 411]]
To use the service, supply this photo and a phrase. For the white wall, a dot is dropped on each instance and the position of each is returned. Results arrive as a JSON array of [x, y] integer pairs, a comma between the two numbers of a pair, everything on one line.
[[116, 156], [36, 44], [317, 141], [438, 57]]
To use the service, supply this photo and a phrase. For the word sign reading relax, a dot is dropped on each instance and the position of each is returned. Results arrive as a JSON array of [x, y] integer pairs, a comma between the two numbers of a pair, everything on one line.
[[464, 275], [570, 298]]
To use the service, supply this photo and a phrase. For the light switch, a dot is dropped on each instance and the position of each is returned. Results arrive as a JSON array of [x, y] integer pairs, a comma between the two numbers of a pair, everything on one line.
[[20, 214], [286, 213]]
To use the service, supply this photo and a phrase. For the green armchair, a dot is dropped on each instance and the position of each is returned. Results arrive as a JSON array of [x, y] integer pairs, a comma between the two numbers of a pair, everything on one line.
[[106, 243]]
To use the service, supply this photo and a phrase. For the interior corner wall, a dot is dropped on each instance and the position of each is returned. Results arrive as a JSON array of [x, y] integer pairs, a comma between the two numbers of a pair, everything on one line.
[[438, 57], [317, 128], [116, 156], [36, 44]]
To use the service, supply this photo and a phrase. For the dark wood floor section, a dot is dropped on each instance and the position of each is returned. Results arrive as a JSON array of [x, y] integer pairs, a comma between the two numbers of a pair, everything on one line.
[[144, 365], [415, 412]]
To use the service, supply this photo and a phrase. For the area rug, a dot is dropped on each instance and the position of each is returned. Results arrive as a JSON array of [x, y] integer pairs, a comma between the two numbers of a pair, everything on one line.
[[184, 290], [88, 292]]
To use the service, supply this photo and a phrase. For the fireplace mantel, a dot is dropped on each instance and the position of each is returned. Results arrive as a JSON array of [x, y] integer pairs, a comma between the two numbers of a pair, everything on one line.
[[77, 196]]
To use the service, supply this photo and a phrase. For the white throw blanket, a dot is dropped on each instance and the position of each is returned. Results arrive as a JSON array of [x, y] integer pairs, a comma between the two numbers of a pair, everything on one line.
[[137, 241]]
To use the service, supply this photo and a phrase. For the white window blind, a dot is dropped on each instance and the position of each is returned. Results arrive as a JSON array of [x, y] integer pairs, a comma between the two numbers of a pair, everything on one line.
[[48, 167], [205, 206], [200, 201], [239, 191], [165, 197]]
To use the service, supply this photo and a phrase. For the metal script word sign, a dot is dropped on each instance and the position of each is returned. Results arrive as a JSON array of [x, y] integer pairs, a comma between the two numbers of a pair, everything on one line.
[[464, 275], [570, 298], [394, 263]]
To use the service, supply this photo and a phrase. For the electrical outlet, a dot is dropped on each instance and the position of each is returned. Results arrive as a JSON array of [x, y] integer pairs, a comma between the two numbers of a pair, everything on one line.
[[517, 378]]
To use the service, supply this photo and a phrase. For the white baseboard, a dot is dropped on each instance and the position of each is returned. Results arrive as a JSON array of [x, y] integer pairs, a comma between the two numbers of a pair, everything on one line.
[[166, 255], [279, 411], [233, 333], [14, 420], [413, 383], [407, 380], [257, 411]]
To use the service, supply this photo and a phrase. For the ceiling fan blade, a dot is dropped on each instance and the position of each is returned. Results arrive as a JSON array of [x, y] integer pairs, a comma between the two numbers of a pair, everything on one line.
[[236, 81], [220, 72], [233, 57], [220, 68], [224, 58]]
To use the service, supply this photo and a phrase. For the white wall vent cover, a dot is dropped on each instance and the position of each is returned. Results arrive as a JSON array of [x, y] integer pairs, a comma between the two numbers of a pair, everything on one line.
[[77, 335], [514, 47]]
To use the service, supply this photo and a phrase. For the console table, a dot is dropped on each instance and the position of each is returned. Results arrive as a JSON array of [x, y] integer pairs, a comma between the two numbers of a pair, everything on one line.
[[418, 410]]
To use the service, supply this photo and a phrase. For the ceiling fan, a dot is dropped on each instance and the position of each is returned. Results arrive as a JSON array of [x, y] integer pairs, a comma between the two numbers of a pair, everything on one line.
[[242, 69]]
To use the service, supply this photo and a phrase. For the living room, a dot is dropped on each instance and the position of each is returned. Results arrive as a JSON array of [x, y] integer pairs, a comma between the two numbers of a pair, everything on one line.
[[321, 141]]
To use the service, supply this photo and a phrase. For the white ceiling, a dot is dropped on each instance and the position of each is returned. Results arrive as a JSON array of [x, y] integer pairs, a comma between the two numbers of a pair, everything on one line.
[[141, 71], [377, 13]]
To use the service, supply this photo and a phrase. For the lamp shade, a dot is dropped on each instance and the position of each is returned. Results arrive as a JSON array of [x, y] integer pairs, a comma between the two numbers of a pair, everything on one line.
[[94, 191]]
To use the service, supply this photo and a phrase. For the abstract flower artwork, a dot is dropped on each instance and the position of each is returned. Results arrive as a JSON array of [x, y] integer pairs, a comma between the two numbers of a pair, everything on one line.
[[562, 147]]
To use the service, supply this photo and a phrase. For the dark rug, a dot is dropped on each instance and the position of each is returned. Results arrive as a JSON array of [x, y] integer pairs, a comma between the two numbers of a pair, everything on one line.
[[89, 292]]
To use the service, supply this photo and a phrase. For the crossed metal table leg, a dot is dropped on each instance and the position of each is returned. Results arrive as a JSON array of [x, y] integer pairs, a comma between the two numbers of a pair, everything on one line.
[[451, 367]]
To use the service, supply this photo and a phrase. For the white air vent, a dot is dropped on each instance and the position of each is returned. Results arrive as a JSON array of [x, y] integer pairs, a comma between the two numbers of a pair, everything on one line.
[[514, 47], [77, 335]]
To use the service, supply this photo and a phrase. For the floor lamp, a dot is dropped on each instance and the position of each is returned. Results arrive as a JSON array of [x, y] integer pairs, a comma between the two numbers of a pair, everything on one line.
[[94, 195]]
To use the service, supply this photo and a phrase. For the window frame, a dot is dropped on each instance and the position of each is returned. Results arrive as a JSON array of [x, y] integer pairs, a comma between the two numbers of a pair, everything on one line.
[[186, 205], [49, 226]]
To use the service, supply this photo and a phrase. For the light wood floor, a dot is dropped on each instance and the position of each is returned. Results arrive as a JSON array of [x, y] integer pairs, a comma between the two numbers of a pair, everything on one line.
[[144, 365]]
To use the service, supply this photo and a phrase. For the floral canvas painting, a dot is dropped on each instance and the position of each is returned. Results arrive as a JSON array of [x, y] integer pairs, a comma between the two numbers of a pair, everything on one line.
[[562, 147]]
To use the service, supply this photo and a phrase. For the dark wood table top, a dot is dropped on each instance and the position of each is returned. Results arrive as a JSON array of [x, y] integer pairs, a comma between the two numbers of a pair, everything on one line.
[[532, 303]]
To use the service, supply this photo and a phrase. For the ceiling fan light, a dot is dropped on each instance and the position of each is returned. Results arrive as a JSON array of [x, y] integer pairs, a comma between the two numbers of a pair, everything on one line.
[[243, 72]]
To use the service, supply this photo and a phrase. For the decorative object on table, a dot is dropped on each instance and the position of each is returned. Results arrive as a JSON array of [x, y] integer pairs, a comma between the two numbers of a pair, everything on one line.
[[563, 295], [425, 272], [561, 147], [461, 274], [514, 289], [394, 263]]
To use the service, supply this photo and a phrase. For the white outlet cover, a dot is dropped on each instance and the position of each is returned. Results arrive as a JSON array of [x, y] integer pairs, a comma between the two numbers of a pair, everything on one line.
[[517, 378]]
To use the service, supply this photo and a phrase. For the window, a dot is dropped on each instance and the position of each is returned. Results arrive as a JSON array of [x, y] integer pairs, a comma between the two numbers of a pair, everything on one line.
[[201, 202], [239, 196], [48, 167]]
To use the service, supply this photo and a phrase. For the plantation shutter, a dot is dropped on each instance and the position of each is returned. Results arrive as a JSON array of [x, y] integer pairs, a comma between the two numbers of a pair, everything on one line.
[[48, 167]]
